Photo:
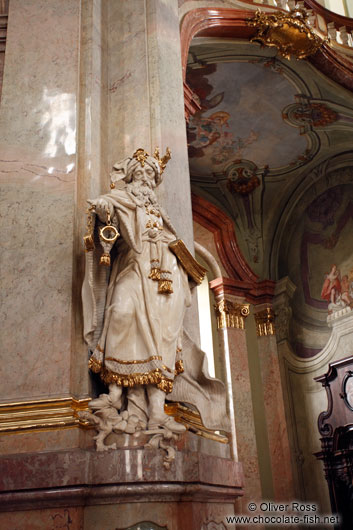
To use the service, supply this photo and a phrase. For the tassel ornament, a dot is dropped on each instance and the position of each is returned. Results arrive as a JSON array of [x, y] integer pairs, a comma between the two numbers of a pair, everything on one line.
[[165, 283]]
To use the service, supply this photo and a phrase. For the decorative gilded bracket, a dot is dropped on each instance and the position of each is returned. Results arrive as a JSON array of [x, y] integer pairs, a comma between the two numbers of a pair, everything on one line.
[[231, 315], [288, 32]]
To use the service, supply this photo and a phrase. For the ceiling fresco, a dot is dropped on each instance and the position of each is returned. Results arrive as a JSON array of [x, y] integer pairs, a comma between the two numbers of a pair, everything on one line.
[[241, 118], [272, 146]]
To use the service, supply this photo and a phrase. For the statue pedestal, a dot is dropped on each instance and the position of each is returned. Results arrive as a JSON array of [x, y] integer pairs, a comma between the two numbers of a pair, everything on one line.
[[120, 488]]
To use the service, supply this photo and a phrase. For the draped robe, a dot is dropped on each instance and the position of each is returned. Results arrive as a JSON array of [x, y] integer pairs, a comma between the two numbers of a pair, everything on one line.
[[135, 332]]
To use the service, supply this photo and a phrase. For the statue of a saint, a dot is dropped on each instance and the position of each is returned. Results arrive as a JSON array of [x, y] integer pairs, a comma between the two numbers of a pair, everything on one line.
[[134, 311]]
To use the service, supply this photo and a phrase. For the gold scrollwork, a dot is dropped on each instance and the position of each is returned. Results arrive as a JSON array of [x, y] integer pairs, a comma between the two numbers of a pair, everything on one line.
[[265, 322], [288, 32], [231, 315]]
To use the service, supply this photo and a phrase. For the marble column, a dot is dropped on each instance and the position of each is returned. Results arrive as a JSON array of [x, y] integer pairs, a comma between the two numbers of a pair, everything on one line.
[[231, 311], [146, 99], [273, 403], [39, 179], [105, 79]]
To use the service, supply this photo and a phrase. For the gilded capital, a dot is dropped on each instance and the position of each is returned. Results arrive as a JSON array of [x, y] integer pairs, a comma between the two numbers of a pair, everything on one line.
[[265, 322], [231, 315]]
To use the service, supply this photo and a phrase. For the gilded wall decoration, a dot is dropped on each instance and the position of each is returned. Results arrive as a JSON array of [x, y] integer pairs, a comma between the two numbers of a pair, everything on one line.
[[288, 32]]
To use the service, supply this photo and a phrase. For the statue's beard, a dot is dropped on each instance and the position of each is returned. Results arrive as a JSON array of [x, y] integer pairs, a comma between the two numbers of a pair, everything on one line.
[[142, 190]]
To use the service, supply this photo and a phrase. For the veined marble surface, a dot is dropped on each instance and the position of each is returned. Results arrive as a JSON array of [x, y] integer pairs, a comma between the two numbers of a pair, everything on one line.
[[38, 173]]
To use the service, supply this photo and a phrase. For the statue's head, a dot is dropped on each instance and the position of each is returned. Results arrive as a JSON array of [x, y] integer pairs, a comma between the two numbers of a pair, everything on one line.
[[141, 166]]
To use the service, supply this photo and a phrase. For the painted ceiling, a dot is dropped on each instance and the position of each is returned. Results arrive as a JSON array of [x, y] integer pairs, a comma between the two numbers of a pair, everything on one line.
[[272, 146], [241, 117]]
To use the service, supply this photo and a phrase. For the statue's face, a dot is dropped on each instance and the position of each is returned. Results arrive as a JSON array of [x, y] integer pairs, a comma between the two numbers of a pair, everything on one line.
[[145, 176]]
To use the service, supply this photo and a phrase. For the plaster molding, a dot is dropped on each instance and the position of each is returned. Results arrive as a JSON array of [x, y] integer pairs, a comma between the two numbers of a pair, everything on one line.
[[284, 292], [341, 327], [232, 23], [242, 280], [209, 259], [217, 222]]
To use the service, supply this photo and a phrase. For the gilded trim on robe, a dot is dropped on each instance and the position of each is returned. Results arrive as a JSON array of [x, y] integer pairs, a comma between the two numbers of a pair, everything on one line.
[[155, 377], [152, 358], [129, 380]]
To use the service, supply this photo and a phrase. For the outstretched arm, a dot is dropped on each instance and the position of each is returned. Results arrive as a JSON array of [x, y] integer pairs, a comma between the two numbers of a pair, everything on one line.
[[101, 207]]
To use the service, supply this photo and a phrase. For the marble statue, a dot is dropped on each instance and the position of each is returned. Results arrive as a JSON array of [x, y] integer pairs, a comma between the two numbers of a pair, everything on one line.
[[134, 309]]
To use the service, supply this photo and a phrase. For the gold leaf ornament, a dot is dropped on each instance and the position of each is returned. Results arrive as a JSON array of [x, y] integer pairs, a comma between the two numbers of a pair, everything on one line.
[[288, 32]]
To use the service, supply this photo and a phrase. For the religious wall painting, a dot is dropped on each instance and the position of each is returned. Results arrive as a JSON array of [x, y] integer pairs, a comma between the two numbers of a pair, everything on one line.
[[326, 250], [320, 248], [337, 290], [241, 119]]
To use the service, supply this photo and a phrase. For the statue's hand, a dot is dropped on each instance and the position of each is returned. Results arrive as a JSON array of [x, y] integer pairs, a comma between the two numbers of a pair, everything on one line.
[[101, 207]]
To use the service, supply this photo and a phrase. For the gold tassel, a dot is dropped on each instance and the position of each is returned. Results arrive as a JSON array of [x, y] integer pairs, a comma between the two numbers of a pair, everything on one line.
[[88, 239], [154, 274], [154, 377], [88, 242], [155, 269], [165, 286], [105, 259], [165, 282], [179, 367]]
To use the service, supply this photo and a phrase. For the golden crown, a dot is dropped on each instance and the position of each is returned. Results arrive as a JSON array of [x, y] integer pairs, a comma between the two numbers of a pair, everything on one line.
[[141, 156]]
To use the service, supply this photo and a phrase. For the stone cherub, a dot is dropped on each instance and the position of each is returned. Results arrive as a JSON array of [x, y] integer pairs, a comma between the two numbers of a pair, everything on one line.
[[133, 319]]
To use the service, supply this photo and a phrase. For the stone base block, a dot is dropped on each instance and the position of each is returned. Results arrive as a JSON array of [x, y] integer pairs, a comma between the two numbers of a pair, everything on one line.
[[113, 490]]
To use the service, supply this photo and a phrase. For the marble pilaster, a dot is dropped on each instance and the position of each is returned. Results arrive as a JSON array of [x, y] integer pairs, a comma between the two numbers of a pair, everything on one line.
[[231, 314], [273, 403], [284, 292]]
